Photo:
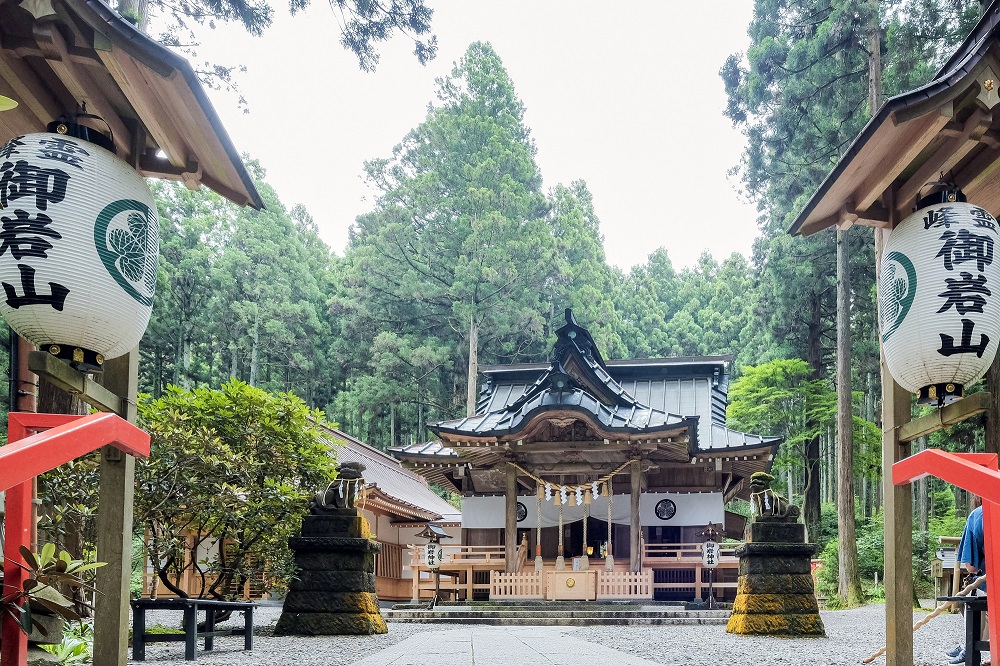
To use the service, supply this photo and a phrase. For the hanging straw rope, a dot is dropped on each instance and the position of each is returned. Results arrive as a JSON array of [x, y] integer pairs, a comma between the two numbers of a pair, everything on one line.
[[560, 530], [966, 591], [604, 479], [538, 528], [611, 495]]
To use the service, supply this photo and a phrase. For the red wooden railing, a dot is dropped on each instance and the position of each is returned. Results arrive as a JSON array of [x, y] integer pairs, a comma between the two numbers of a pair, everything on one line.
[[977, 473], [58, 439]]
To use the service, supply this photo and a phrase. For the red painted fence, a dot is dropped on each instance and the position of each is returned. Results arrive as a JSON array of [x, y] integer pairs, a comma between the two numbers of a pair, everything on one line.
[[57, 439], [977, 473]]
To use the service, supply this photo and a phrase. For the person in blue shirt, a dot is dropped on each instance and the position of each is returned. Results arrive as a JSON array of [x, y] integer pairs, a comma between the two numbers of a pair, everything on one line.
[[971, 556]]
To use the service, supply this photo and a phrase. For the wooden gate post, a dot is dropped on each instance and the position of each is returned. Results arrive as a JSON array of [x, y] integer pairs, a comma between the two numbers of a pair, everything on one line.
[[114, 524]]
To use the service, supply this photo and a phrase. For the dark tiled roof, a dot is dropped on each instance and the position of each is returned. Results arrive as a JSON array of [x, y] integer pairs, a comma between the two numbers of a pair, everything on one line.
[[630, 417], [635, 397]]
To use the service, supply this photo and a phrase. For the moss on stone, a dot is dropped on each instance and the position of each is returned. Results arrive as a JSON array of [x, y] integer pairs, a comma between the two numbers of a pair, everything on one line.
[[326, 624], [775, 604], [775, 584], [775, 624]]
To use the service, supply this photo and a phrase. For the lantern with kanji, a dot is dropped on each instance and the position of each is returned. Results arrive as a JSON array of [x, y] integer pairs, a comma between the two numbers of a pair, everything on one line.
[[78, 247], [938, 319]]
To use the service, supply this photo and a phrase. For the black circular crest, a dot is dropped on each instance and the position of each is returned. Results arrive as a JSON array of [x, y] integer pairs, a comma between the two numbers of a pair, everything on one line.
[[665, 509], [522, 512]]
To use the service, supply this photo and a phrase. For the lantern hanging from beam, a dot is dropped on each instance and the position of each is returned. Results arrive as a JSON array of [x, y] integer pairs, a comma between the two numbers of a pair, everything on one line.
[[938, 318], [78, 247]]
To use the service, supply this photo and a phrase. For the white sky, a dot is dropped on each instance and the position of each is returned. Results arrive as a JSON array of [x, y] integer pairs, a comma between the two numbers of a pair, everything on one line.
[[625, 96]]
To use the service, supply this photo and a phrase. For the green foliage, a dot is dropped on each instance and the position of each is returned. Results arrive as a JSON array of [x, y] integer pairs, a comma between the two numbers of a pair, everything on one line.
[[47, 571], [780, 398], [233, 466], [871, 558], [363, 25], [77, 644], [440, 259], [827, 525], [137, 576]]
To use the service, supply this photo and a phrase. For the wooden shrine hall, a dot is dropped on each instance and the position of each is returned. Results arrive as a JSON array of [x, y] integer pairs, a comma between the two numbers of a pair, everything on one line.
[[591, 479]]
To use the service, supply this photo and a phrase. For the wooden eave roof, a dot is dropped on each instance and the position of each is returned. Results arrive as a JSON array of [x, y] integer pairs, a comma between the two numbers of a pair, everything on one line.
[[950, 125], [82, 51]]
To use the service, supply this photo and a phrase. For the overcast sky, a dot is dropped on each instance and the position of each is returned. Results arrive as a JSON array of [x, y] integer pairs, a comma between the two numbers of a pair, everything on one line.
[[625, 96]]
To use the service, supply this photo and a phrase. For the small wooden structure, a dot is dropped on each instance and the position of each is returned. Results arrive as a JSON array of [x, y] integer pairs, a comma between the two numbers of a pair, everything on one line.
[[584, 460], [949, 126]]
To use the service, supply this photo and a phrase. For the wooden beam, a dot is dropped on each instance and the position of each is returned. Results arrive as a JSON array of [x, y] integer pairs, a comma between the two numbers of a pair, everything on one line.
[[24, 86], [114, 524], [947, 416], [134, 82], [73, 381], [911, 143], [593, 447], [898, 508], [945, 158], [79, 83], [586, 468], [510, 520], [978, 170], [634, 526]]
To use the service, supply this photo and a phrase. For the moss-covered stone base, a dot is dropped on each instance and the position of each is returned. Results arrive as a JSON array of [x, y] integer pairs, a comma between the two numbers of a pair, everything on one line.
[[334, 592], [776, 625], [325, 624], [775, 594]]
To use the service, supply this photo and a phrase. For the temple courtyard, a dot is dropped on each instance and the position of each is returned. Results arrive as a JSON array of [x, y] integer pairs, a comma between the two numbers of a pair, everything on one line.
[[852, 636]]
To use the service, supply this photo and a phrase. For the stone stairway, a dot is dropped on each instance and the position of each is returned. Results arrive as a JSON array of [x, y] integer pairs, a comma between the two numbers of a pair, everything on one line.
[[556, 613]]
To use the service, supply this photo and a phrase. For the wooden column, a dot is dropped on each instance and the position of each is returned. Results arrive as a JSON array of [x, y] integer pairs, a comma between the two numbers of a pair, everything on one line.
[[993, 410], [510, 524], [898, 527], [114, 524], [634, 555]]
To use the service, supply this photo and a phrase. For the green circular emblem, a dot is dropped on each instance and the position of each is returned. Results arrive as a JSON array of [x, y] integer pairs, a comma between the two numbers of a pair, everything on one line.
[[126, 237], [897, 287]]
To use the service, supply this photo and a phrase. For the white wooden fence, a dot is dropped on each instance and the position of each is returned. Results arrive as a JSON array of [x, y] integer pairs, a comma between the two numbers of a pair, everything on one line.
[[625, 584], [527, 585]]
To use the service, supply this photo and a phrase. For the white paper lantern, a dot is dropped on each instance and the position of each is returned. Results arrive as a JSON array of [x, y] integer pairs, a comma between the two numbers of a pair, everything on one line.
[[78, 247], [938, 316]]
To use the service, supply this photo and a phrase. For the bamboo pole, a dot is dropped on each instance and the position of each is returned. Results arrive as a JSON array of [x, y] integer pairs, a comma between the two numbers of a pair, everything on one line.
[[966, 591]]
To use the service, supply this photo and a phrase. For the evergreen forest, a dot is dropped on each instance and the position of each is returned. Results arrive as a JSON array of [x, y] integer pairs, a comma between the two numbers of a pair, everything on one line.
[[465, 258]]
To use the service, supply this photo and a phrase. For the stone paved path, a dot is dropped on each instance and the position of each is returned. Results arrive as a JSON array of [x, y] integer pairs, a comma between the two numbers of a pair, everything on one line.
[[499, 646]]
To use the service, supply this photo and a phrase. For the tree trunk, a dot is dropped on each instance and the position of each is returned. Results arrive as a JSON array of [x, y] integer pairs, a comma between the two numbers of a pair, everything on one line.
[[136, 12], [810, 492], [470, 407], [849, 589], [255, 349]]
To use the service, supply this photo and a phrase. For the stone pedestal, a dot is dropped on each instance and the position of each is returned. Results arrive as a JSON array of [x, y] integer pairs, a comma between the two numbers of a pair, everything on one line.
[[775, 594], [334, 591]]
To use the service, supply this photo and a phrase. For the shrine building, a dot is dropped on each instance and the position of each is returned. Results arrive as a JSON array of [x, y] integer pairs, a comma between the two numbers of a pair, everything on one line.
[[591, 479]]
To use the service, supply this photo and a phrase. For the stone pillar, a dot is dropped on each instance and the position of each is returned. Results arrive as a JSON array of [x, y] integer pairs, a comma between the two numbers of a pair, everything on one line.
[[775, 595], [334, 592]]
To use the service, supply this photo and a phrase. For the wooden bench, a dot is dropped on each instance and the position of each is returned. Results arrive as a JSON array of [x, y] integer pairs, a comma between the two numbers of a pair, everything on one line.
[[190, 607]]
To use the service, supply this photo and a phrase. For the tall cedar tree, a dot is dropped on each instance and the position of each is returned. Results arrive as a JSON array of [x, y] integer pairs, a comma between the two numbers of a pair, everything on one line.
[[458, 247]]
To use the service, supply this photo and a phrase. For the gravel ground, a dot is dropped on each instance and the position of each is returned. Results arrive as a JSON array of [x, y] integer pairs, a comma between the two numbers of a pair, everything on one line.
[[851, 636]]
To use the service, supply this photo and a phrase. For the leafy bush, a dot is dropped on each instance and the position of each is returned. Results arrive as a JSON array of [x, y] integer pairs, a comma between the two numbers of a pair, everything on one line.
[[77, 645]]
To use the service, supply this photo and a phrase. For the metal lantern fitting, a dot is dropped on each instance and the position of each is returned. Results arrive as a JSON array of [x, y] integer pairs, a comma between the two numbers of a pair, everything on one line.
[[938, 319], [78, 247]]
